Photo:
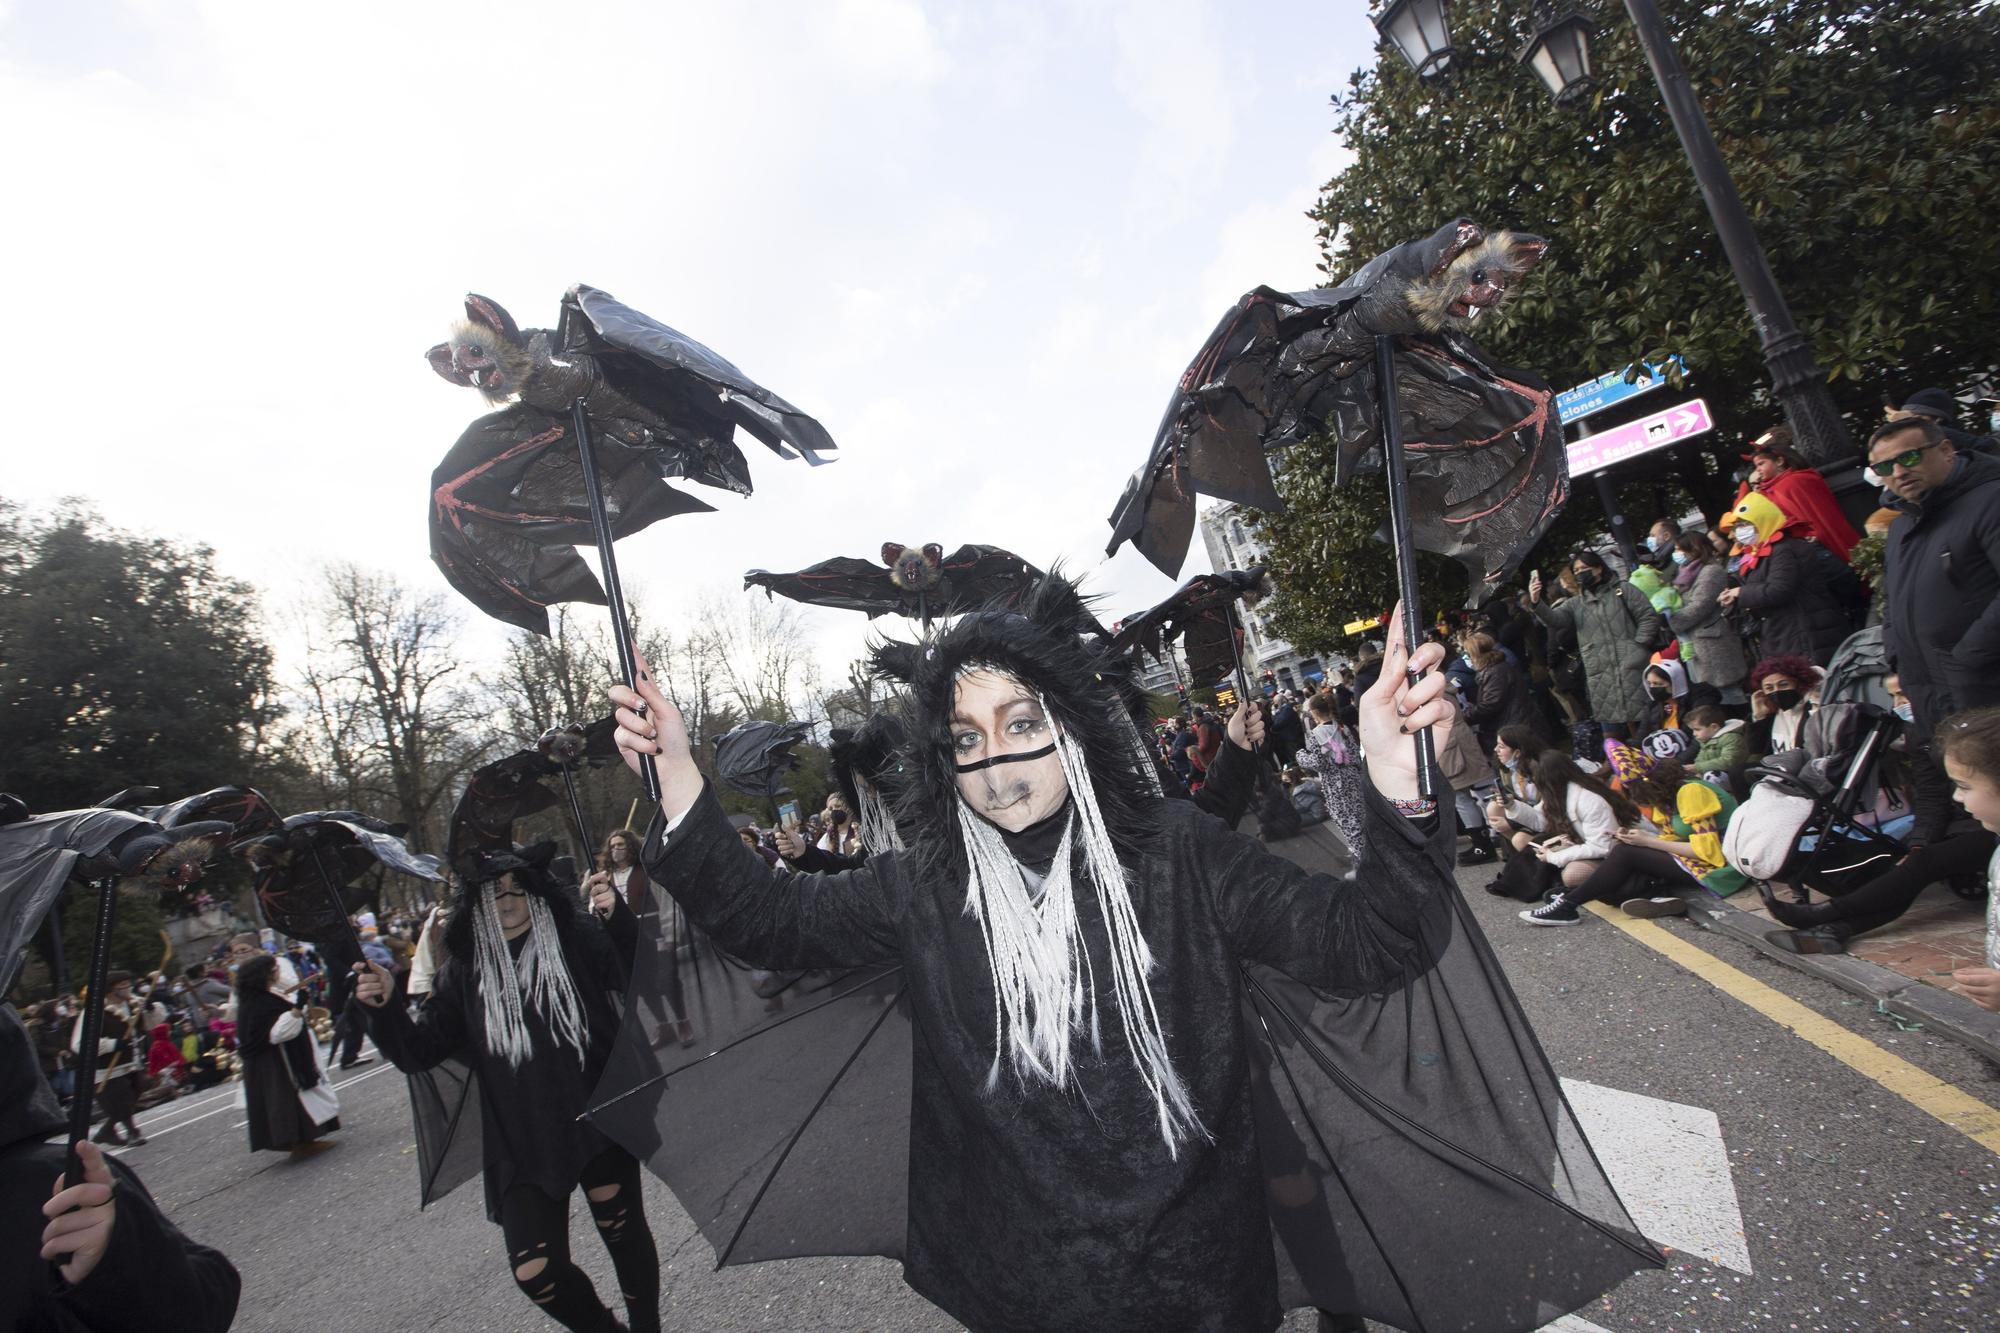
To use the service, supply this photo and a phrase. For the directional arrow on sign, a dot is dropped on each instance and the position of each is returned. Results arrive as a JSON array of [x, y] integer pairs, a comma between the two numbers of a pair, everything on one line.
[[1680, 422]]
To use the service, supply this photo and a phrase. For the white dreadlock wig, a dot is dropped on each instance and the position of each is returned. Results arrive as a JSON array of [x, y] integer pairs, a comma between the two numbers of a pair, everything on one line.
[[878, 827], [539, 977], [1043, 980]]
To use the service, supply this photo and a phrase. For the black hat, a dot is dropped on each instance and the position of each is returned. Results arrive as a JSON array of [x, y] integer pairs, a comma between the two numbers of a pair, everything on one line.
[[1932, 403]]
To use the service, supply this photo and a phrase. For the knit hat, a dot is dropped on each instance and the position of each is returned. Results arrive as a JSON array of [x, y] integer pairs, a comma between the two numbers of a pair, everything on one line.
[[1933, 403]]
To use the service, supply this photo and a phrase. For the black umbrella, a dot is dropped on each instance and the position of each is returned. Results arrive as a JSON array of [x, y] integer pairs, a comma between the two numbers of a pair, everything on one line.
[[39, 854], [307, 872], [755, 757]]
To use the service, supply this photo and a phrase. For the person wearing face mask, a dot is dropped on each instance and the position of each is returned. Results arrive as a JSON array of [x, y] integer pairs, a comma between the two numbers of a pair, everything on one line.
[[1711, 647], [1789, 482], [1660, 543], [1669, 697], [1802, 598], [527, 997], [1093, 1140], [1616, 629], [1780, 700]]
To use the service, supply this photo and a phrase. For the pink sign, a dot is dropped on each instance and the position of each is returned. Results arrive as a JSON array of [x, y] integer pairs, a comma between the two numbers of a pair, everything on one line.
[[1682, 422]]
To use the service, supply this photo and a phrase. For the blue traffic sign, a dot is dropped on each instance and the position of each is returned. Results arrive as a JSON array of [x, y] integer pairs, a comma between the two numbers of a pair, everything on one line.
[[1606, 390]]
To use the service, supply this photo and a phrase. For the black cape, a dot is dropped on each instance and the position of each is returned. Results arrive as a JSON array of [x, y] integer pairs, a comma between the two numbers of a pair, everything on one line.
[[1396, 1128], [529, 1132]]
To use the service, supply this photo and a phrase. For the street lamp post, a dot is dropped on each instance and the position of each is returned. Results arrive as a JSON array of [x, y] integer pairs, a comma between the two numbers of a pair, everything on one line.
[[1559, 52]]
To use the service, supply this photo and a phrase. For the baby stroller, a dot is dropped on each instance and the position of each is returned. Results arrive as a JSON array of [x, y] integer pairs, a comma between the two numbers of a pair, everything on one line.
[[1805, 826]]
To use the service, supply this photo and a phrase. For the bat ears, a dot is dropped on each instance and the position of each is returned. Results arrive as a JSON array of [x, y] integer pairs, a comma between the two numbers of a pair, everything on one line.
[[491, 314], [892, 552], [441, 362]]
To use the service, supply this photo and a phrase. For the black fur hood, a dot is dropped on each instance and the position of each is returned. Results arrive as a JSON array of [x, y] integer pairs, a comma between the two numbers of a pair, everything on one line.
[[1051, 642]]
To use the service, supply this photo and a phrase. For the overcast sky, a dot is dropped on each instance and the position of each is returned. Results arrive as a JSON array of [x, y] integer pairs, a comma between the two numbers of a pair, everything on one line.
[[978, 241]]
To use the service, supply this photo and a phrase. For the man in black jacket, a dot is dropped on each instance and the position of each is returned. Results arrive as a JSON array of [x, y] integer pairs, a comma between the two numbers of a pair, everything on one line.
[[1941, 565]]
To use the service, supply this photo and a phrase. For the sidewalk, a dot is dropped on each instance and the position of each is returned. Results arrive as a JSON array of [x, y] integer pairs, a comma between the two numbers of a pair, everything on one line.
[[1896, 966]]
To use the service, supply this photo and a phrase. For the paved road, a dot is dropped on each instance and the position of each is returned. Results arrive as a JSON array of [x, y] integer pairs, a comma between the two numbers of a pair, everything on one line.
[[1859, 1211]]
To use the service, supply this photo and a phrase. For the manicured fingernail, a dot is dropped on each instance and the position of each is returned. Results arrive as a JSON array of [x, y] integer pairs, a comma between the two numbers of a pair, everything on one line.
[[1404, 728]]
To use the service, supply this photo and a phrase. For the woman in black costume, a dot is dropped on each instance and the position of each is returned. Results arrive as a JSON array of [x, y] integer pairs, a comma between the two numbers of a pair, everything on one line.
[[283, 1076], [1083, 1146], [525, 998]]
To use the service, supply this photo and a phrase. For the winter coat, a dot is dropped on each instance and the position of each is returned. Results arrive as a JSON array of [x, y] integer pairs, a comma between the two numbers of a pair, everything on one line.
[[1790, 593], [1726, 750], [1463, 760], [1710, 644], [1500, 699], [1616, 632], [1942, 609], [1595, 822]]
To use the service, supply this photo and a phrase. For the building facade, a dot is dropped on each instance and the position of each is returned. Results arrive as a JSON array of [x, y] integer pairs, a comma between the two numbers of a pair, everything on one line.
[[1226, 532]]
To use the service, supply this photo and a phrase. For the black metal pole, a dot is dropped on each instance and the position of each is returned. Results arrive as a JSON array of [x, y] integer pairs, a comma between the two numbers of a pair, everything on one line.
[[92, 1020], [339, 908], [1621, 527], [614, 591], [582, 825], [1400, 540], [1800, 383]]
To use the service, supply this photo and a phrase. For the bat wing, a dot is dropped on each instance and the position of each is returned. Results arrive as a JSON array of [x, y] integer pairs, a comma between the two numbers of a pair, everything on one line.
[[497, 795], [755, 757], [39, 854], [1209, 640], [986, 576], [508, 506], [845, 583], [644, 358]]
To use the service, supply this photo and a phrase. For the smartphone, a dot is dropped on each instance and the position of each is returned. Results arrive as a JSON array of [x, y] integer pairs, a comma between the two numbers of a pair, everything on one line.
[[788, 816]]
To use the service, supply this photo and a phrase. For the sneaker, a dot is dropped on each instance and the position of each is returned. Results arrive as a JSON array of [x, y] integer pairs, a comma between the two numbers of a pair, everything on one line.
[[1478, 855], [1656, 907], [1554, 912], [359, 1061]]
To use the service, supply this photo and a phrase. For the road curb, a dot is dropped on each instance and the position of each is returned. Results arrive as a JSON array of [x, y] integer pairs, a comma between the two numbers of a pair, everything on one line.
[[1940, 1011]]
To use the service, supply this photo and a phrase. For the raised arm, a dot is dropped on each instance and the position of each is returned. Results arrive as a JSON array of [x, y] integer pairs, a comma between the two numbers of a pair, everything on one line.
[[765, 917], [1356, 934], [433, 1036]]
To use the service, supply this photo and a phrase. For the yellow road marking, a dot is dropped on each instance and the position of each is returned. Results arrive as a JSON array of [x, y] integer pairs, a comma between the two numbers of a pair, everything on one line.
[[1928, 1093]]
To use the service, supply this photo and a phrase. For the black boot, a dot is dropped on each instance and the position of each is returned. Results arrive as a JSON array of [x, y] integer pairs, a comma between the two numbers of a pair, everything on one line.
[[1481, 852], [1814, 940]]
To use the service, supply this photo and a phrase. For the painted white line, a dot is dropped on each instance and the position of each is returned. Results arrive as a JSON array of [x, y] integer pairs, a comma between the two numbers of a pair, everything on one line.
[[1668, 1163], [1569, 1323]]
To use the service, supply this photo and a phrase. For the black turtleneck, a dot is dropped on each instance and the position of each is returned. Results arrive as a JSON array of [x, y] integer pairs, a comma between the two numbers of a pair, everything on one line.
[[1035, 846]]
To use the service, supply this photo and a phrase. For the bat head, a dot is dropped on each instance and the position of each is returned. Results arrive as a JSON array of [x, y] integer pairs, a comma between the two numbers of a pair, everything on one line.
[[914, 569], [1474, 272], [485, 351]]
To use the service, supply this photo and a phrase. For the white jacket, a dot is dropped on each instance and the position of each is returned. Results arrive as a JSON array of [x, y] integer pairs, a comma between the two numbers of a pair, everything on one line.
[[1589, 814]]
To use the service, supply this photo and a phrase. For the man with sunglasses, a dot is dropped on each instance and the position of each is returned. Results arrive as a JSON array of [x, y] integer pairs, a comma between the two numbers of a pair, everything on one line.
[[1941, 568]]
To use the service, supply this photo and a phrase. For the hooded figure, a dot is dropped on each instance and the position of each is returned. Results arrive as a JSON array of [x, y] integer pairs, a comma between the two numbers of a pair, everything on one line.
[[286, 1092], [148, 1267], [1096, 1139], [525, 998], [1802, 596]]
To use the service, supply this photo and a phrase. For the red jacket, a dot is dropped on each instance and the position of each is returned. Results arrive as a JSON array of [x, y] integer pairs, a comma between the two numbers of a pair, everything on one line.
[[1808, 501]]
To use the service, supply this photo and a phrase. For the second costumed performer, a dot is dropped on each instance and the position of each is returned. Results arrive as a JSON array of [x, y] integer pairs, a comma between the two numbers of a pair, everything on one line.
[[1085, 1145], [526, 998]]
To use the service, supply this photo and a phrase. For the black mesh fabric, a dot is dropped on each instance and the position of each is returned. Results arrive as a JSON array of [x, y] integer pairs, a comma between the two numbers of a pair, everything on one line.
[[791, 1108], [444, 1103], [1422, 1166]]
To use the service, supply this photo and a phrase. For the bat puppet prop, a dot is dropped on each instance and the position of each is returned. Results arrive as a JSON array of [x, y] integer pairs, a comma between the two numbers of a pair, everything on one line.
[[594, 416], [920, 582], [1472, 450]]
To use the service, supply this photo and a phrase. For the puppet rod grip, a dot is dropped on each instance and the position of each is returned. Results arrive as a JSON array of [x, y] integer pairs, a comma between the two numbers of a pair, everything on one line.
[[614, 591], [1400, 539], [92, 1020]]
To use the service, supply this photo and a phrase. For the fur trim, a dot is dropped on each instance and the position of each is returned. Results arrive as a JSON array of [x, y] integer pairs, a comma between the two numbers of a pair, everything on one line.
[[1481, 276], [1050, 642]]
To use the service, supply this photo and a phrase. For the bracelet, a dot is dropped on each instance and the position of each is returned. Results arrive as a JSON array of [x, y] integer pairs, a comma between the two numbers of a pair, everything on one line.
[[1417, 808]]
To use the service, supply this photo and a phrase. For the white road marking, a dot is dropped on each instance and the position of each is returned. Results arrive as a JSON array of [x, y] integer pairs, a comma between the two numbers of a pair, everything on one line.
[[1668, 1163], [1569, 1323]]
